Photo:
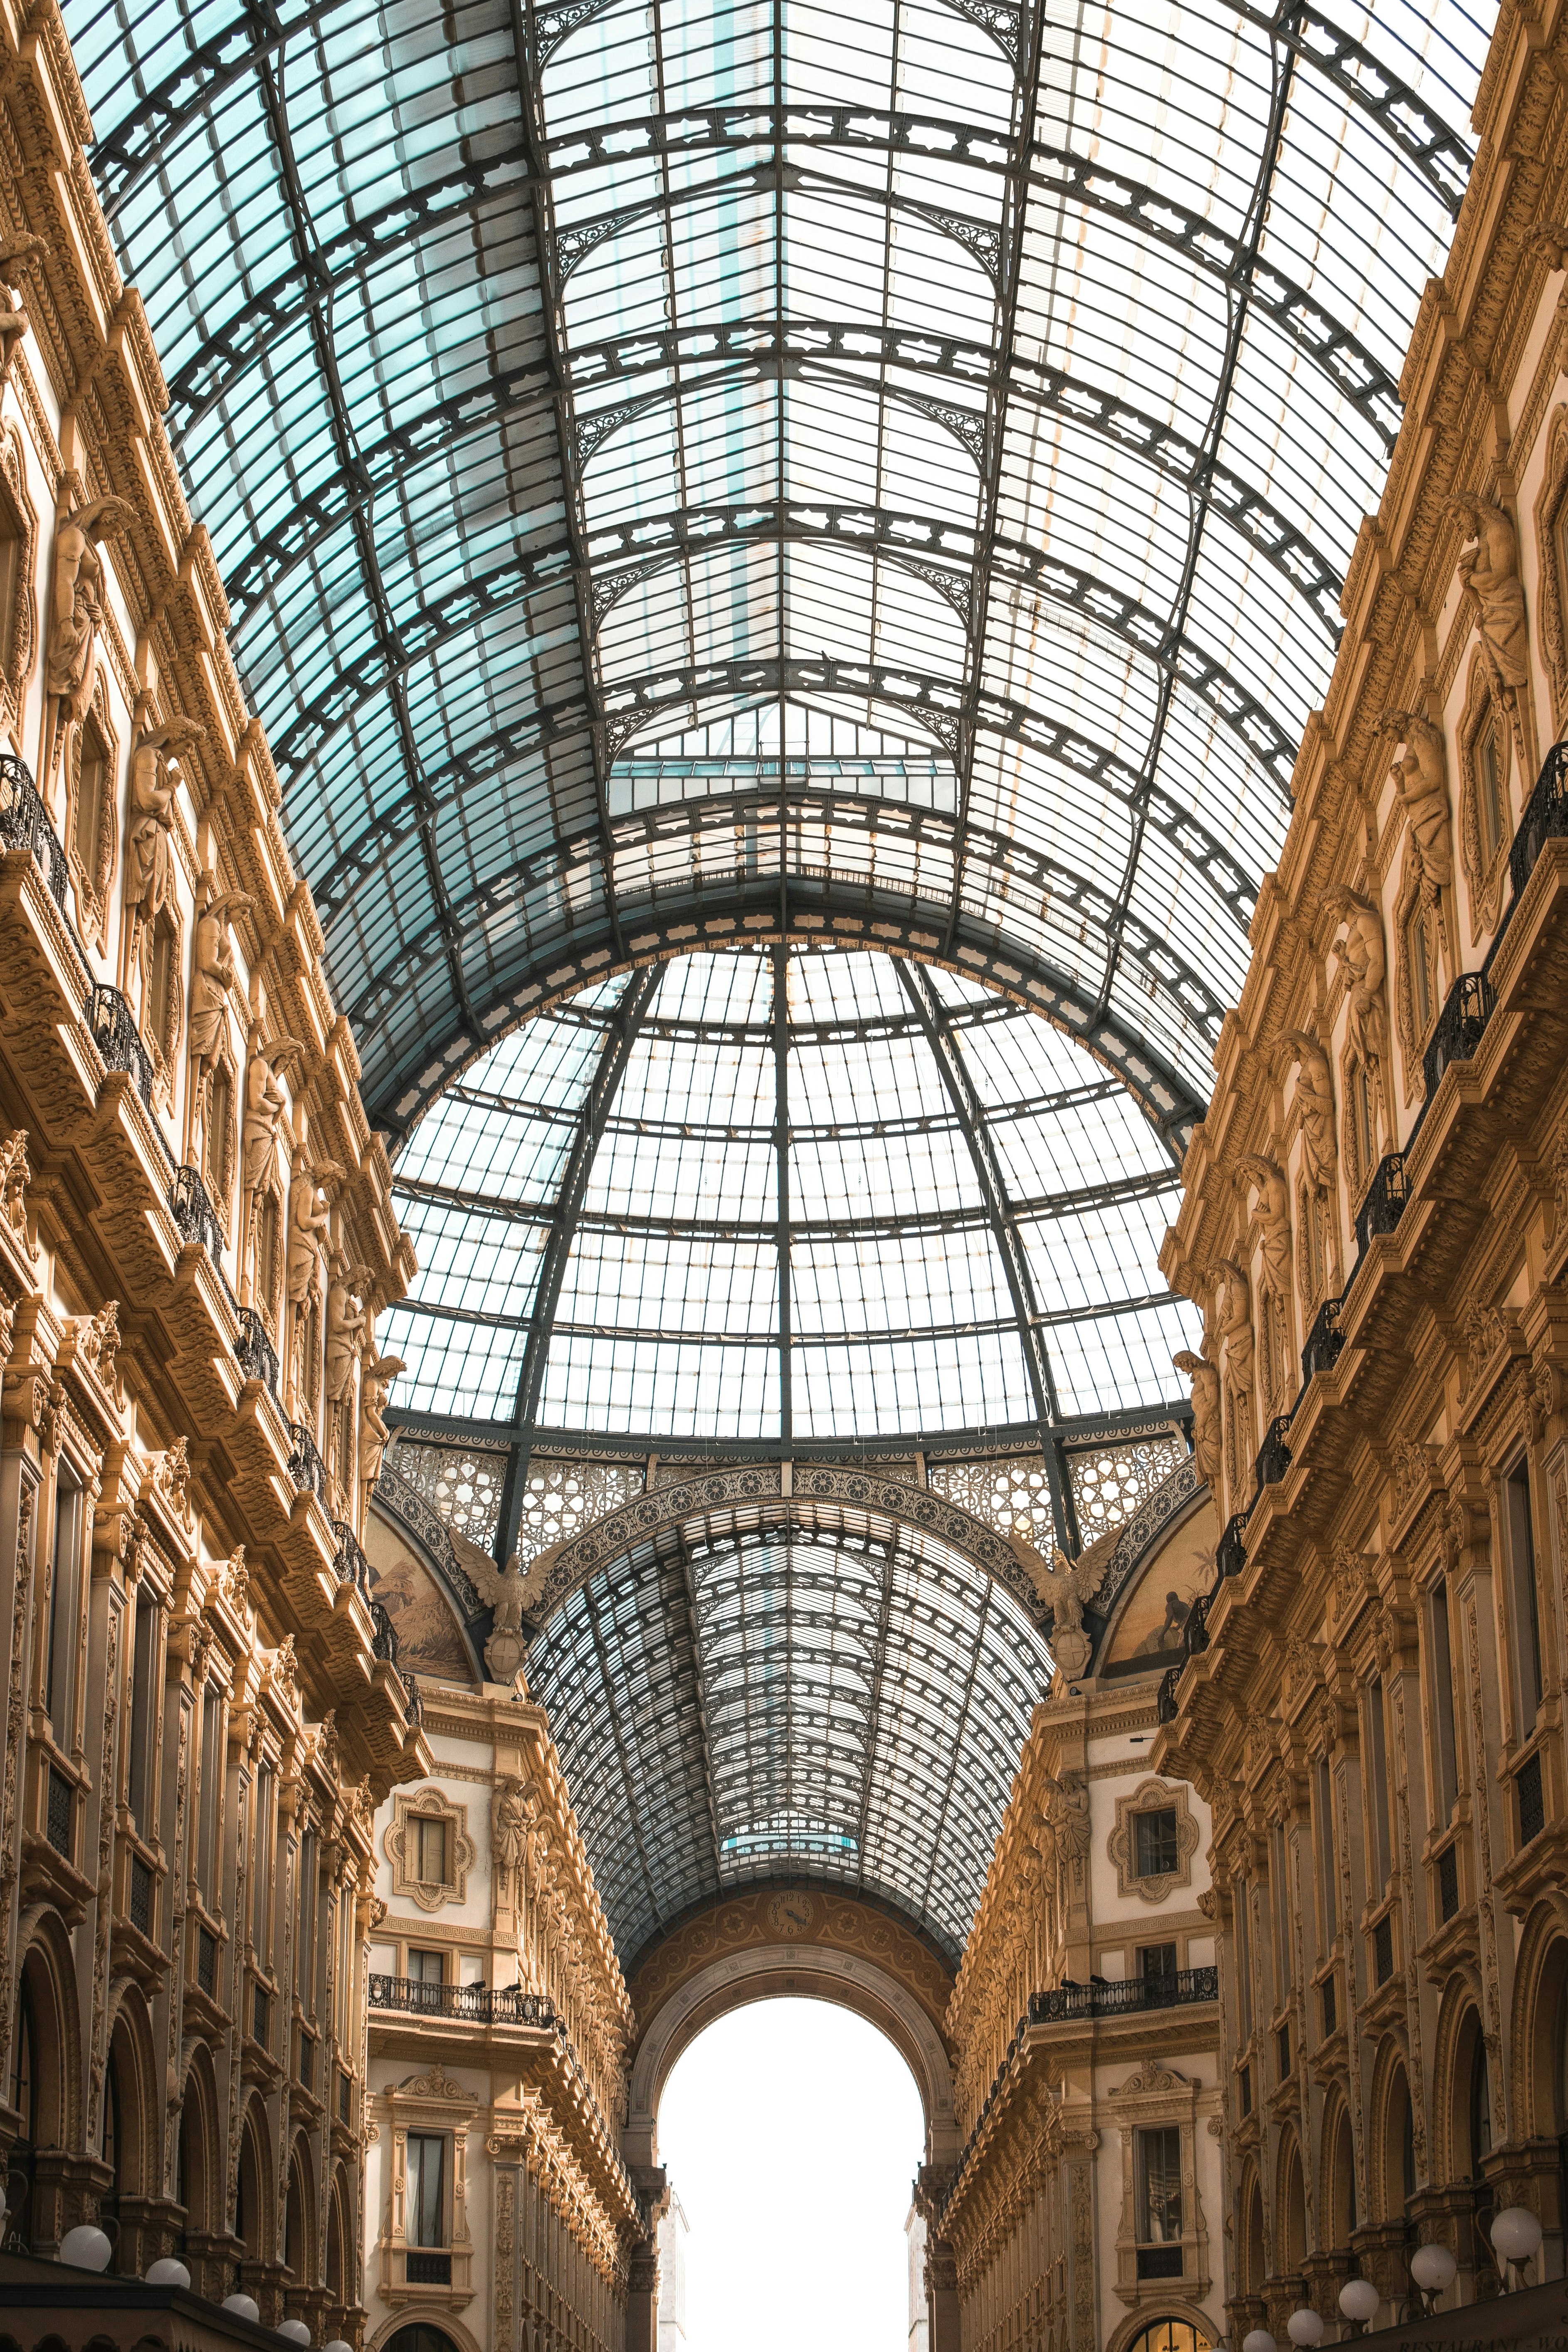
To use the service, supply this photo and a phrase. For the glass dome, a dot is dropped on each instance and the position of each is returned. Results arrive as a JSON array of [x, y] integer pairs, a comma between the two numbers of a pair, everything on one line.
[[785, 1196]]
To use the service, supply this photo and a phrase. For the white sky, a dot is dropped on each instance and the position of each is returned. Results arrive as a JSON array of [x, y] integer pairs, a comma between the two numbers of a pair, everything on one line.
[[792, 2131]]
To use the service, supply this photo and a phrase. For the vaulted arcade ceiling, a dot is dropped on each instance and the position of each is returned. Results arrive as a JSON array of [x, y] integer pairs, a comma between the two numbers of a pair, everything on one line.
[[765, 462]]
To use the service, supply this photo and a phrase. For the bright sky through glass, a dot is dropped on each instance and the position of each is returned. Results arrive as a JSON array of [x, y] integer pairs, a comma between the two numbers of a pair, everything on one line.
[[791, 2132]]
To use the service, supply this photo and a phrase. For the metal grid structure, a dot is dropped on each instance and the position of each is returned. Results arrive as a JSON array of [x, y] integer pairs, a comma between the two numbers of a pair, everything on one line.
[[969, 409], [793, 1199], [734, 1704]]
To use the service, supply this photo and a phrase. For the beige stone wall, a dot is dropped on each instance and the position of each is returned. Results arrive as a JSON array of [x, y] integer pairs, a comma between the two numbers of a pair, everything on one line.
[[1377, 1715]]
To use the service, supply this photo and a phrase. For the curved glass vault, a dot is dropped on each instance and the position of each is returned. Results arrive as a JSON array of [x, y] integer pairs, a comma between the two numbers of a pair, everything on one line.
[[791, 1196], [845, 1698], [755, 460]]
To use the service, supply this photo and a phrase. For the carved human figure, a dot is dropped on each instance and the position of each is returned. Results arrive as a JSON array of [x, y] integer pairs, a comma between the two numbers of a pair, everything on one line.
[[154, 780], [1489, 565], [264, 1102], [1315, 1101], [346, 1323], [213, 975], [1364, 960], [310, 1215], [1273, 1215], [1208, 1450], [1421, 784], [1234, 1312], [1064, 1819], [377, 1376], [77, 586], [509, 1834], [15, 251]]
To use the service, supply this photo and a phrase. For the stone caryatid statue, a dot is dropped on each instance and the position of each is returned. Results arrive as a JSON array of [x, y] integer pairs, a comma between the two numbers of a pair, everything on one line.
[[1064, 1835], [1315, 1101], [510, 1824], [1208, 1430], [1489, 566], [1421, 783], [1234, 1309], [377, 1376], [1067, 1587], [264, 1101], [154, 780], [15, 252], [1364, 960], [78, 590], [213, 974], [1273, 1215], [347, 1322], [310, 1215]]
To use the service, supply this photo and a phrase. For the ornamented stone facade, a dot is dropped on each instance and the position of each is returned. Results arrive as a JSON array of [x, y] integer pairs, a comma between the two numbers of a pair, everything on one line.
[[204, 1704], [1373, 1703]]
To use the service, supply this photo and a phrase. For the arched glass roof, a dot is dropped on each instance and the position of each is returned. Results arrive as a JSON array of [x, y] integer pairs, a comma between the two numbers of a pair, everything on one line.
[[959, 1208], [959, 413], [843, 1699]]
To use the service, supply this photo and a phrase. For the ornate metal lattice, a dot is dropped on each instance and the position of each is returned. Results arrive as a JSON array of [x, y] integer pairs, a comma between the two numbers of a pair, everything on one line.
[[462, 1485], [1001, 1491], [1111, 1482], [563, 1497]]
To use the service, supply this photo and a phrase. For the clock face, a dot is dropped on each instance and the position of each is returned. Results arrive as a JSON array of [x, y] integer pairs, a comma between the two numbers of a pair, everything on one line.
[[791, 1914]]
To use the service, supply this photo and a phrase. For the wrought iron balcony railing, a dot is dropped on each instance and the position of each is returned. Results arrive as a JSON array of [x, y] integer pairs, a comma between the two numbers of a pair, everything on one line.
[[194, 1212], [304, 1462], [257, 1357], [349, 1560], [1324, 1341], [384, 1639], [1165, 1697], [1230, 1552], [1179, 1989], [510, 2006], [1383, 1206], [118, 1039], [415, 1703], [25, 825], [1545, 817], [1461, 1027], [1273, 1455]]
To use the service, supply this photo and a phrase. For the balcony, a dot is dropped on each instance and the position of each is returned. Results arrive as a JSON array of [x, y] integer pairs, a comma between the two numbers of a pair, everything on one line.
[[1273, 1455], [1324, 1341], [118, 1039], [1181, 1990], [349, 1560], [1383, 1206], [1545, 818], [23, 824], [1461, 1027], [257, 1357], [478, 2003], [304, 1462]]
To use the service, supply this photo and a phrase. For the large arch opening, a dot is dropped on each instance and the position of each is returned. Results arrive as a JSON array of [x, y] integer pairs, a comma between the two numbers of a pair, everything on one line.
[[791, 2129]]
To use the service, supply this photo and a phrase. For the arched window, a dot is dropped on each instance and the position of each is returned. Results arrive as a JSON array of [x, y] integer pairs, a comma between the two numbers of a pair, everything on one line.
[[1159, 2336], [422, 2337], [1480, 2107]]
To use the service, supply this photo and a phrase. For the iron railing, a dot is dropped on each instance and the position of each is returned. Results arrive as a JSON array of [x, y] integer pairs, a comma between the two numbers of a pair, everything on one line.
[[304, 1462], [501, 2006], [193, 1212], [424, 2268], [1179, 1989], [1230, 1552], [61, 1802], [1449, 1883], [25, 825], [1165, 1697], [349, 1560], [384, 1636], [1273, 1455], [1195, 1631], [1383, 1206], [118, 1039], [1460, 1026], [1545, 817], [1324, 1340], [415, 1703], [257, 1355]]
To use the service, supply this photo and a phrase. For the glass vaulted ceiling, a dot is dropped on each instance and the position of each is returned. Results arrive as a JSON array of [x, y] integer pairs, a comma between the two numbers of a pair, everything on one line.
[[959, 1207], [998, 384]]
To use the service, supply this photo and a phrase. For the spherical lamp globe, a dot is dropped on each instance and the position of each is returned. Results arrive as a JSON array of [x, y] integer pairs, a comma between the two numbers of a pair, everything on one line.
[[1258, 2340], [86, 2247], [296, 2331], [1516, 2233], [337, 2345], [244, 2306], [1359, 2299], [167, 2271], [1432, 2267], [1304, 2327]]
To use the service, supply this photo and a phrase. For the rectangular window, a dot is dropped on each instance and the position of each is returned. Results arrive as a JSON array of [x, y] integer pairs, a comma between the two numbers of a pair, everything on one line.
[[143, 1699], [261, 1904], [209, 1798], [1242, 1959], [427, 2188], [1526, 1614], [1444, 1739], [426, 1968], [1156, 1961], [1157, 2167], [1382, 1843], [1281, 1906], [1488, 780], [1328, 1878], [430, 1857], [305, 1945], [1365, 1132], [1154, 1835], [61, 1683]]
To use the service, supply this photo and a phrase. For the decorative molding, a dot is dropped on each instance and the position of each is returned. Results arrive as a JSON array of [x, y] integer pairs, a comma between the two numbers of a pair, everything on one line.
[[429, 1803], [1148, 1797]]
